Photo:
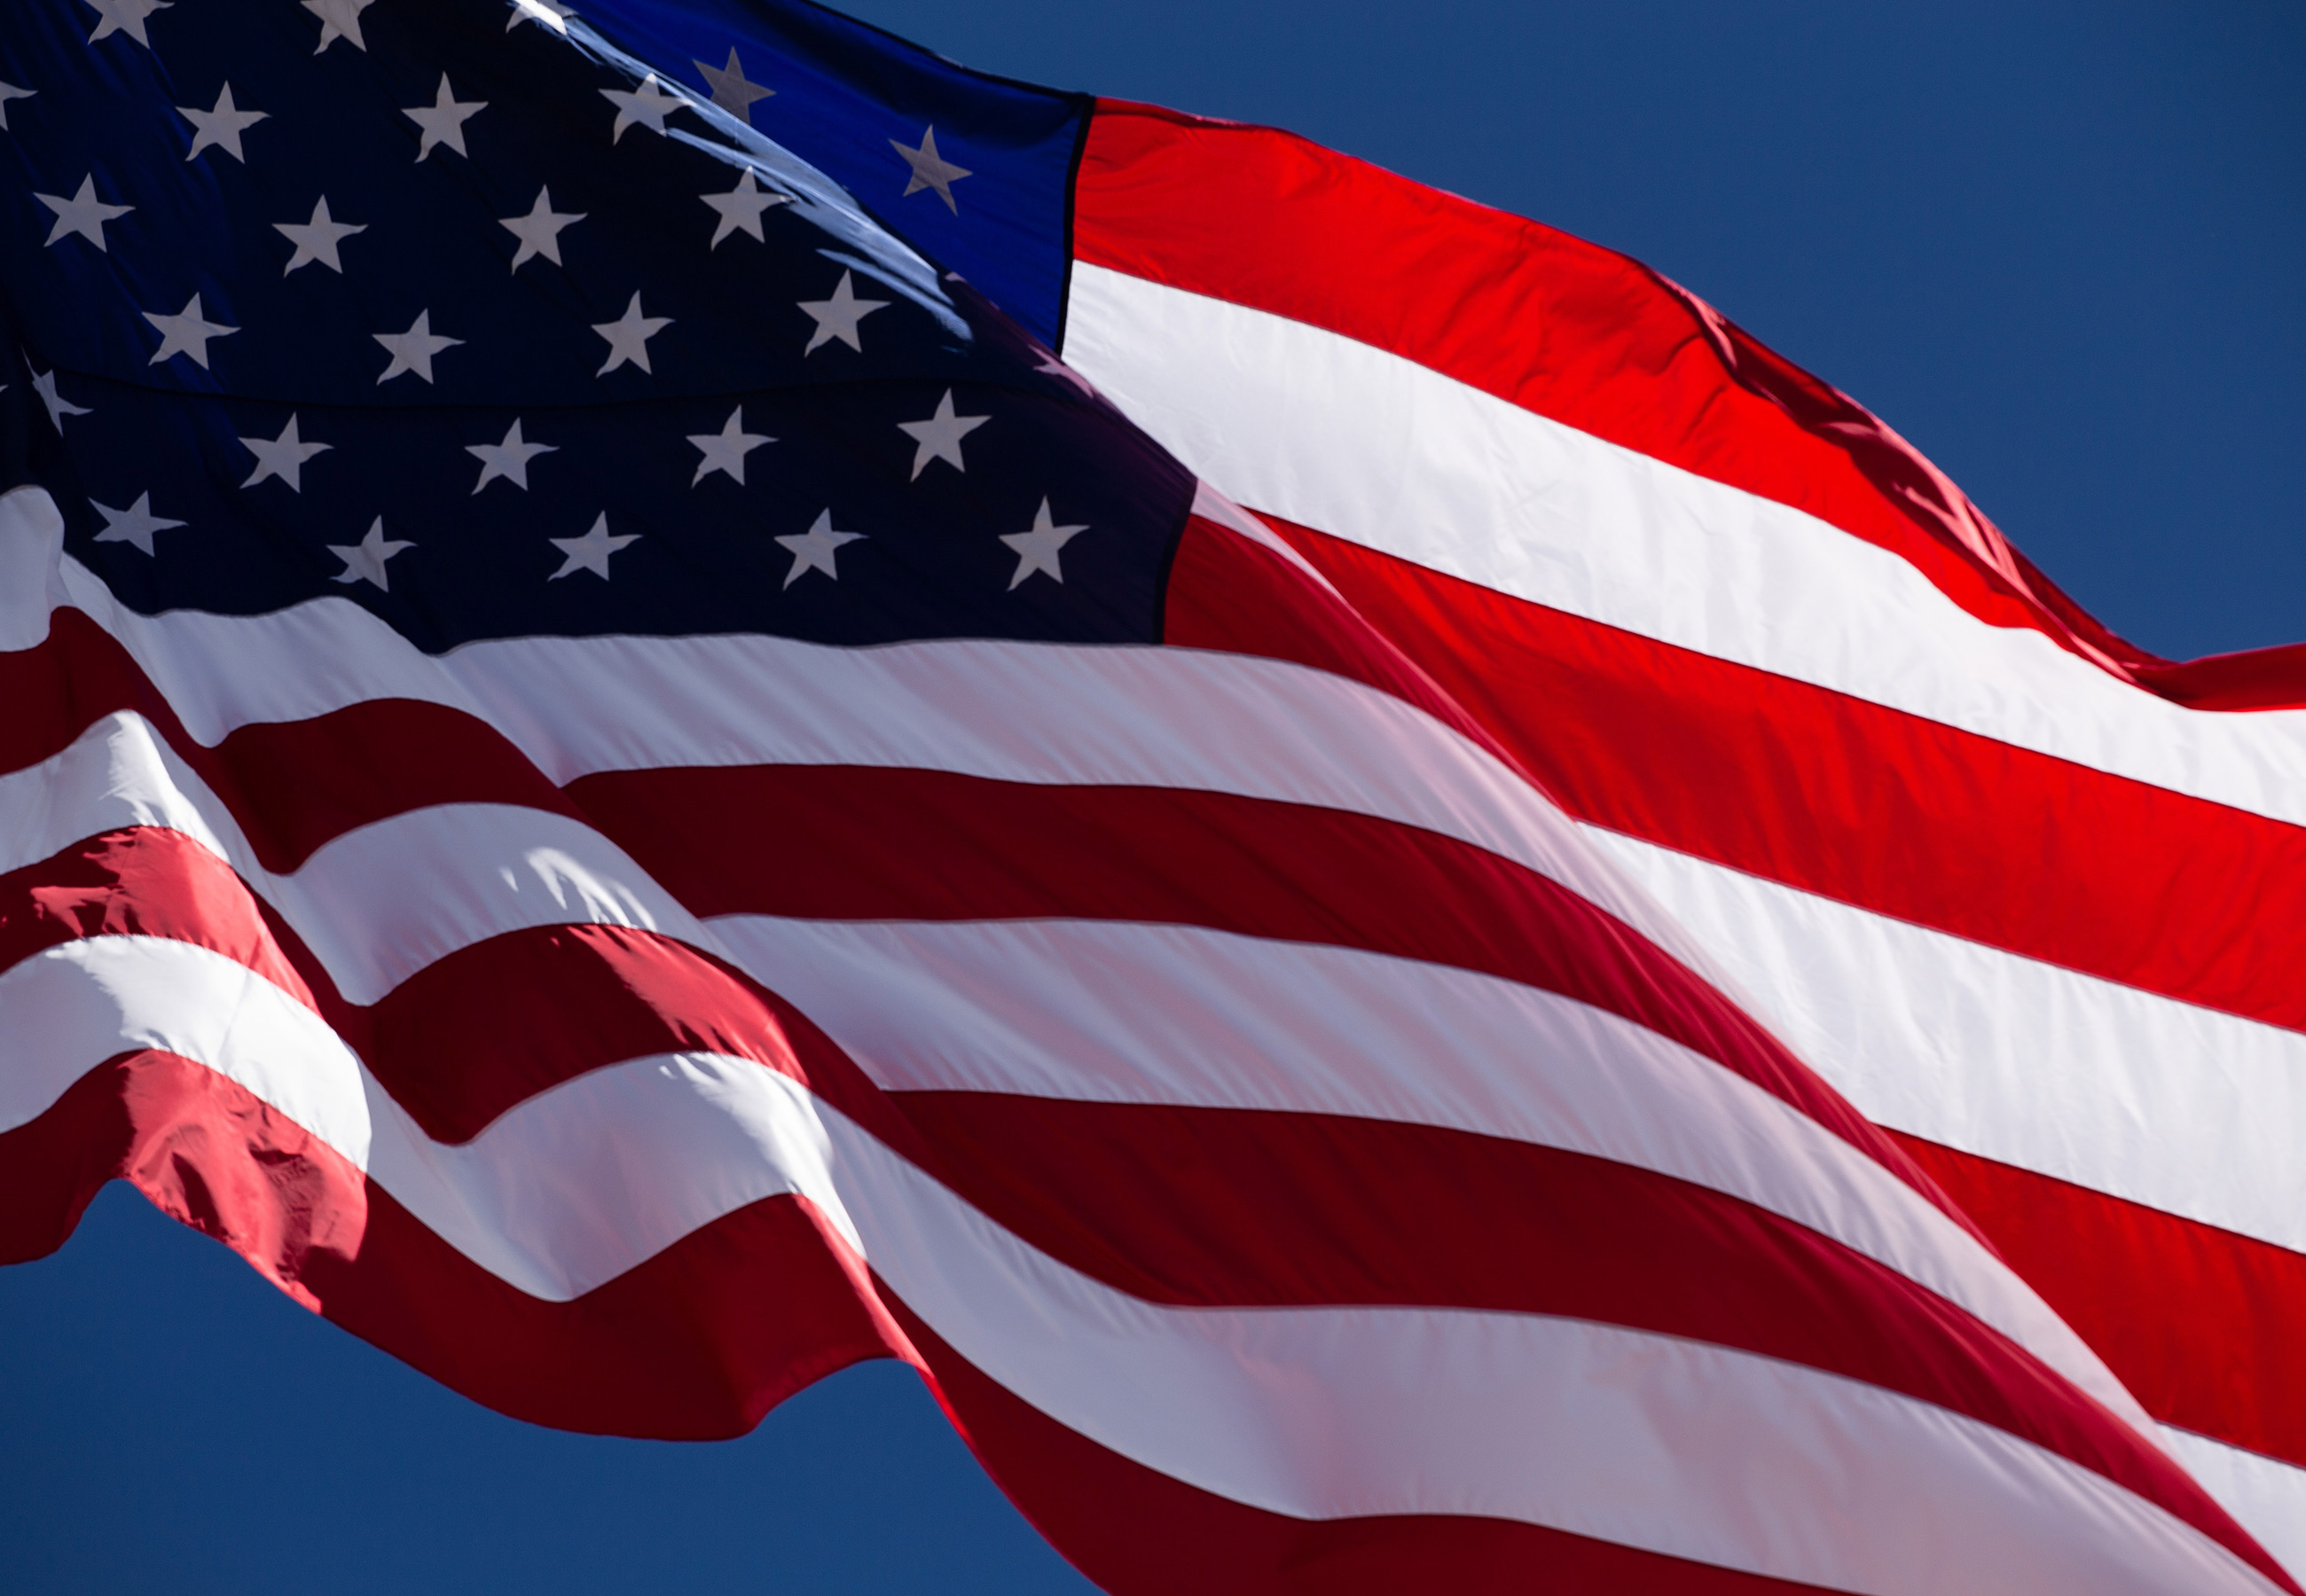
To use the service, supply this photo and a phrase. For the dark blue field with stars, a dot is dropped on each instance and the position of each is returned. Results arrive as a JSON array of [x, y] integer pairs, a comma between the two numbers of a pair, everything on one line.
[[491, 329]]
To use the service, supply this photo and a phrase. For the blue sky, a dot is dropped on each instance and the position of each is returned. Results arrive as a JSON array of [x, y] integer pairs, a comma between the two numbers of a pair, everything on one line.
[[2060, 247]]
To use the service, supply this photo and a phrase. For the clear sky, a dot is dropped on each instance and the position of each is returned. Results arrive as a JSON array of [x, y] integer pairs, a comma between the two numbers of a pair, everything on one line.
[[2060, 247]]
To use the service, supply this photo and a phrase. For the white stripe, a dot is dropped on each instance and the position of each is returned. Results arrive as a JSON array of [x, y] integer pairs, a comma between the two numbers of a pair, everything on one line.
[[574, 1186], [1105, 1012], [117, 773], [2266, 1498], [1653, 1441], [1335, 434], [220, 672], [382, 901], [32, 584], [2185, 1109], [67, 1009]]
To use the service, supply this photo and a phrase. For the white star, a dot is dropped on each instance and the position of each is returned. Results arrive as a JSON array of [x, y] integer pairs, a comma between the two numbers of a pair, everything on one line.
[[1045, 361], [221, 127], [726, 449], [940, 436], [539, 231], [730, 91], [741, 207], [590, 552], [187, 332], [283, 456], [135, 525], [339, 19], [508, 459], [1036, 550], [813, 551], [837, 318], [628, 337], [43, 383], [9, 92], [443, 120], [545, 14], [317, 239], [364, 560], [125, 16], [83, 214], [413, 351], [646, 106], [930, 170]]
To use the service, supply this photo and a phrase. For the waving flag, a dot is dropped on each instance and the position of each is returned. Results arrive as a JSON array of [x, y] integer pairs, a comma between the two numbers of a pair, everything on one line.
[[2026, 894], [623, 781]]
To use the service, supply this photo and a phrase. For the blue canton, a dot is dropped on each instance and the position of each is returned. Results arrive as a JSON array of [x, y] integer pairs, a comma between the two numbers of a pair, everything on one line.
[[463, 311], [852, 101]]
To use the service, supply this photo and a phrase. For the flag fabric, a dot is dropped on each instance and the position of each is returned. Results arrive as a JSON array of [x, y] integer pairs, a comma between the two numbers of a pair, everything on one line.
[[2026, 894], [622, 779]]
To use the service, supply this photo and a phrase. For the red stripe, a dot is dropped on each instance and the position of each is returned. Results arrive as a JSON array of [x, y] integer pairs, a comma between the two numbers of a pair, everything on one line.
[[297, 784], [1575, 332], [1893, 813], [695, 1343], [480, 1032], [57, 688], [146, 881], [202, 1148], [2199, 1322]]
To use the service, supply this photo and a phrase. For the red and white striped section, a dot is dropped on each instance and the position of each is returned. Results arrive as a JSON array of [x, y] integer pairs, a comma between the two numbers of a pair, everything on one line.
[[2032, 898], [1284, 1137]]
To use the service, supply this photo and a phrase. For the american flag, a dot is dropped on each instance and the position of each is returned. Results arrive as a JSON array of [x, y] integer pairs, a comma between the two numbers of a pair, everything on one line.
[[2023, 891], [616, 774]]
